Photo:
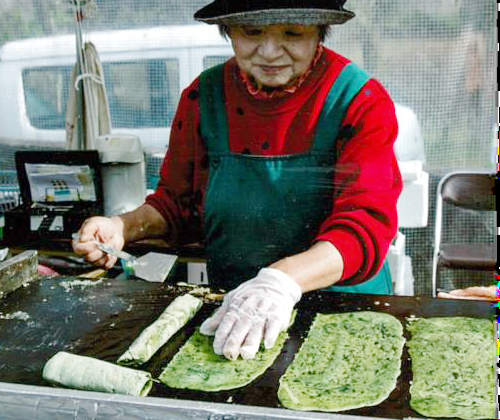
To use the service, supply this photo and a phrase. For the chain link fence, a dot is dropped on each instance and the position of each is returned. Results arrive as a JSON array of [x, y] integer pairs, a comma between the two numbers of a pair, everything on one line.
[[437, 57]]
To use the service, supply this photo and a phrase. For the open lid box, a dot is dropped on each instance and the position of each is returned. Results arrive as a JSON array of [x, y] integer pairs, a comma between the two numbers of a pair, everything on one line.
[[60, 178]]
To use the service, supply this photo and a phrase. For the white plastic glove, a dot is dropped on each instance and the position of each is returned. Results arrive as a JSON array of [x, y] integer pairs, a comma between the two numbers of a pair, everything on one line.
[[259, 308]]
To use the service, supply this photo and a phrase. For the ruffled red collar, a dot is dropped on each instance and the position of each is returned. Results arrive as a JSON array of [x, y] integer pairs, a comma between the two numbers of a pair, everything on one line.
[[259, 93]]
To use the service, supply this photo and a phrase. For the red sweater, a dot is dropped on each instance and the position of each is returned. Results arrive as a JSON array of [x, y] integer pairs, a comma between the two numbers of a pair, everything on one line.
[[367, 181]]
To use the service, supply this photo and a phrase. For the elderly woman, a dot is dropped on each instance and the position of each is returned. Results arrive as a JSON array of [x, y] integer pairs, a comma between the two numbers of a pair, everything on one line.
[[281, 161]]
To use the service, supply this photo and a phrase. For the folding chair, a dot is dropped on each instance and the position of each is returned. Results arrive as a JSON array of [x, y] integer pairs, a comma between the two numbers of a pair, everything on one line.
[[470, 190]]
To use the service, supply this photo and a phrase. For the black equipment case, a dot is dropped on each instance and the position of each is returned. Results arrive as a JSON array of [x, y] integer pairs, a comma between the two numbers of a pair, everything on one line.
[[59, 190]]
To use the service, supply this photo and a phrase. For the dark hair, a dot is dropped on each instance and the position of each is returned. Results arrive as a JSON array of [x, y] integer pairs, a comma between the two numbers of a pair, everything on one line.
[[324, 31]]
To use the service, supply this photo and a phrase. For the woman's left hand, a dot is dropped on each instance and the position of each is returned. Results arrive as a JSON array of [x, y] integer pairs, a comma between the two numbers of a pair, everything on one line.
[[259, 308]]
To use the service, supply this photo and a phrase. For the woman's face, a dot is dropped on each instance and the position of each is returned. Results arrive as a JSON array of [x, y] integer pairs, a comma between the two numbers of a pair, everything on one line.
[[275, 55]]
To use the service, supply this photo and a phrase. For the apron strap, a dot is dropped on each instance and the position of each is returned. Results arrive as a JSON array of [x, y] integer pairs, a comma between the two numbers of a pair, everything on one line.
[[213, 120], [345, 88], [213, 111], [347, 85]]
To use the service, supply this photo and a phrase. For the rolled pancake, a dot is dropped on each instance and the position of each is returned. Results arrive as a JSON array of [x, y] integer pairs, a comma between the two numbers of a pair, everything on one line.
[[175, 316], [197, 367], [453, 364], [347, 361], [87, 373]]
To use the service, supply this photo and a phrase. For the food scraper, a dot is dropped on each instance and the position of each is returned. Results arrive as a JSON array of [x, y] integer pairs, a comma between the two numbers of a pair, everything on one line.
[[153, 266]]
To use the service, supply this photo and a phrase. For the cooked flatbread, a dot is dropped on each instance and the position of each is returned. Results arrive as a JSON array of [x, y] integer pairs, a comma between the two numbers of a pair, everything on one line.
[[197, 367], [453, 364], [472, 293], [347, 361], [87, 373], [175, 316]]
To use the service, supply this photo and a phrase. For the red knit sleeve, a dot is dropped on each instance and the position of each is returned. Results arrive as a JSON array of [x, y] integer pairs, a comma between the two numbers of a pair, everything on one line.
[[179, 193], [367, 185]]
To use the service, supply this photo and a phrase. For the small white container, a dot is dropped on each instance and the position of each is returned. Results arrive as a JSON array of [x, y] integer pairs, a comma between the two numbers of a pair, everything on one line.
[[123, 172]]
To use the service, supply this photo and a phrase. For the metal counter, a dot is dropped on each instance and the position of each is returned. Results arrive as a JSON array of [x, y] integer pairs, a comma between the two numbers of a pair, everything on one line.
[[101, 319], [23, 402]]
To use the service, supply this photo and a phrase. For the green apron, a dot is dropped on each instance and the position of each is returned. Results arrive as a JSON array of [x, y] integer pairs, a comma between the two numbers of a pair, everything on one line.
[[259, 209]]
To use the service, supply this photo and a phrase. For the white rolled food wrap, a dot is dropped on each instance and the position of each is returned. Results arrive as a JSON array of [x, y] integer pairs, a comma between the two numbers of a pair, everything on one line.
[[87, 373], [173, 318]]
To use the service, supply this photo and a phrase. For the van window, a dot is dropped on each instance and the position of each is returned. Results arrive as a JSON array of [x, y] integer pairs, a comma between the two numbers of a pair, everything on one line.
[[214, 60], [46, 91], [141, 93]]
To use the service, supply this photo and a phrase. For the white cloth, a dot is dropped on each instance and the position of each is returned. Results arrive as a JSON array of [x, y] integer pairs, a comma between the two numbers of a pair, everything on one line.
[[96, 115], [259, 308]]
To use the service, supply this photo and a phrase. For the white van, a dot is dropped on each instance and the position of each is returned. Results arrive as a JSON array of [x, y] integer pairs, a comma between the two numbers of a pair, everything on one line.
[[145, 72]]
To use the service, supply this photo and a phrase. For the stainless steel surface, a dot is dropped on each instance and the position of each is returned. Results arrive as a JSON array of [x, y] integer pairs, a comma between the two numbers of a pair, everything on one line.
[[154, 266], [23, 402], [119, 254], [17, 270]]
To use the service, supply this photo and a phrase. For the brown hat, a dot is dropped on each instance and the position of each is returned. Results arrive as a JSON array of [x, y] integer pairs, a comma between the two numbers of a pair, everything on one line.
[[268, 12]]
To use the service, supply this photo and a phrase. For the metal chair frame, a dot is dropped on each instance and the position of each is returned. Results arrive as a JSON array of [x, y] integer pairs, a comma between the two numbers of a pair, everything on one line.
[[479, 203]]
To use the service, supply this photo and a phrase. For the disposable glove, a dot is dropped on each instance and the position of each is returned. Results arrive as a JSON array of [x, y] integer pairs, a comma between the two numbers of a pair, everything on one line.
[[259, 308]]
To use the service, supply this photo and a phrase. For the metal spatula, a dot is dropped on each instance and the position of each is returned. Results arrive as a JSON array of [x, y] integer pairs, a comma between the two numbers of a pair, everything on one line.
[[153, 266]]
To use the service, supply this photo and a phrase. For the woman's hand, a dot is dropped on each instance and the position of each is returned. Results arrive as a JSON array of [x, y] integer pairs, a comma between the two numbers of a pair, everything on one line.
[[259, 308], [143, 222], [103, 229]]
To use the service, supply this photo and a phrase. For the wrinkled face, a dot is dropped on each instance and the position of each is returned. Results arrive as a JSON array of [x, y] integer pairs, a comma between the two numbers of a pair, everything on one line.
[[275, 55]]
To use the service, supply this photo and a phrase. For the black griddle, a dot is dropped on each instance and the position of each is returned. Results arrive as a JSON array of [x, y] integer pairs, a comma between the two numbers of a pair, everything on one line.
[[102, 320]]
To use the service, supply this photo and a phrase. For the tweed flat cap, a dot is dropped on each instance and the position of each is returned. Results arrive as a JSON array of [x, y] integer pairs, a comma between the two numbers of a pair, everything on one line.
[[268, 12]]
